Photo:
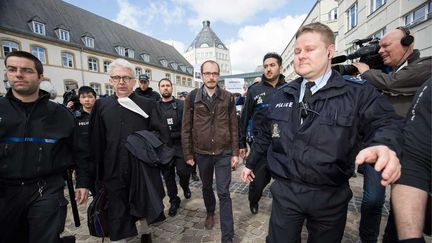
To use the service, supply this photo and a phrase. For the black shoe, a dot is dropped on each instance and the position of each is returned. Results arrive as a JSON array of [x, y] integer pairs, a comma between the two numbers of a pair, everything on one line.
[[195, 177], [187, 193], [253, 208], [146, 238], [173, 209]]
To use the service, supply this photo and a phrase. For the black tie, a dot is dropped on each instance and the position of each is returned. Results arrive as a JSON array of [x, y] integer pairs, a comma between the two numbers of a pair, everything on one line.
[[305, 104]]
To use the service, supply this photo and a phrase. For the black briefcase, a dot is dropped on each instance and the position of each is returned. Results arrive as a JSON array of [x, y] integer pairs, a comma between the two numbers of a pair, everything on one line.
[[97, 215]]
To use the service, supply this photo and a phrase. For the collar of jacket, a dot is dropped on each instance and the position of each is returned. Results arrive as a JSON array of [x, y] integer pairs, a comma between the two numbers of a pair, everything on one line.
[[43, 95], [199, 94], [280, 82], [148, 91], [336, 85]]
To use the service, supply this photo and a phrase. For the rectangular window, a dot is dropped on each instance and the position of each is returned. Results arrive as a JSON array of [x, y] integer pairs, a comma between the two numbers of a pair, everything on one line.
[[88, 41], [67, 60], [92, 64], [168, 76], [375, 4], [145, 57], [148, 73], [352, 16], [177, 80], [63, 35], [109, 89], [189, 82], [105, 66], [70, 85], [96, 87], [379, 34], [332, 15], [120, 50], [40, 53], [183, 82], [138, 71], [9, 46], [129, 53], [38, 28]]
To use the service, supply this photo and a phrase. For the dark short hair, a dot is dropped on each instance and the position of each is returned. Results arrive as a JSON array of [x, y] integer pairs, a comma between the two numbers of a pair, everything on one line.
[[273, 55], [164, 79], [210, 61], [27, 55], [85, 90], [325, 31]]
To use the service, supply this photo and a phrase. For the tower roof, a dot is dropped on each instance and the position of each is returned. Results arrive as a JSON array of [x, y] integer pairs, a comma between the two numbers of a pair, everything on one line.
[[207, 38]]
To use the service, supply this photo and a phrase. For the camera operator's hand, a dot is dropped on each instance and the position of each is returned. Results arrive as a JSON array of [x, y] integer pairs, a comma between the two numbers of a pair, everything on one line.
[[362, 67], [70, 105]]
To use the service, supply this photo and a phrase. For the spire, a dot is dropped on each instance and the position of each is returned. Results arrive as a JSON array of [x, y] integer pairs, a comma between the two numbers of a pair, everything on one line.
[[207, 38]]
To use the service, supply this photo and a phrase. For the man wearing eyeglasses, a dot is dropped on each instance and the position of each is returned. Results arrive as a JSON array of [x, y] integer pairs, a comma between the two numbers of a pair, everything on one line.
[[315, 127], [39, 140], [145, 90], [112, 120], [210, 139]]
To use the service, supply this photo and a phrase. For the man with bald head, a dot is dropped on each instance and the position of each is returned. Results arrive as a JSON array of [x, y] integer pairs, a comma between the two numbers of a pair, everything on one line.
[[409, 72]]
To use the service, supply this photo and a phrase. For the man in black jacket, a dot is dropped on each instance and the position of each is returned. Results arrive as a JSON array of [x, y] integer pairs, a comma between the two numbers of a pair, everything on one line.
[[171, 113], [145, 90], [314, 129], [255, 107], [39, 140]]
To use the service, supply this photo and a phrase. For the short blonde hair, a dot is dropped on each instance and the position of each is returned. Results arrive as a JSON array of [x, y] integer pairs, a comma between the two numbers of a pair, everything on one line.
[[326, 33]]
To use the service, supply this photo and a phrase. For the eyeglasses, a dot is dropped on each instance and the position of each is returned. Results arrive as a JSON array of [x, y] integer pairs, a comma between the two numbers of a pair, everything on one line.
[[24, 71], [117, 79], [208, 74]]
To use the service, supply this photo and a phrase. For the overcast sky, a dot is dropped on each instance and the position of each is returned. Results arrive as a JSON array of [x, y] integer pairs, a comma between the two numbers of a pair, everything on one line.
[[249, 28]]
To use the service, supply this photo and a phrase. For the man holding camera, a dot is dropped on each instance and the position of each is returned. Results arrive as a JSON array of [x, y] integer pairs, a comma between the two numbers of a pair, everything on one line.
[[409, 72]]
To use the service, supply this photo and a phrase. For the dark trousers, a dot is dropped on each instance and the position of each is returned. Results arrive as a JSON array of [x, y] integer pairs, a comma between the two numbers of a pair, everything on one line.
[[221, 166], [26, 216], [372, 204], [262, 178], [183, 172], [324, 209]]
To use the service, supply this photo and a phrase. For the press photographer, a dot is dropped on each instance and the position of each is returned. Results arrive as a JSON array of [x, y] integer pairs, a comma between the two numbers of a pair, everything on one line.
[[409, 71]]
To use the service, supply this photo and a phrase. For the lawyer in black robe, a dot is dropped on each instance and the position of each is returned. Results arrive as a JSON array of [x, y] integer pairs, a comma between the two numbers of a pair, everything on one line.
[[110, 124]]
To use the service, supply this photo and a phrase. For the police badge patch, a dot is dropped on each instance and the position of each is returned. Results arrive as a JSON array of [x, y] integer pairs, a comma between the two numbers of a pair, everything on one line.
[[275, 130]]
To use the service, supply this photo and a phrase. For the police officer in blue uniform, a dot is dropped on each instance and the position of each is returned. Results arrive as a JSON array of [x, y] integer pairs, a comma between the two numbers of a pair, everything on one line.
[[315, 127]]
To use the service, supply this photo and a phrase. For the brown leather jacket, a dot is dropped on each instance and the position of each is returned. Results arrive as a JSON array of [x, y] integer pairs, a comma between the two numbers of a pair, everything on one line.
[[209, 130]]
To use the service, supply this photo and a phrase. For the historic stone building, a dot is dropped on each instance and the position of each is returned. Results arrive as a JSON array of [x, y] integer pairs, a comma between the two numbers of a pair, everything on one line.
[[76, 46]]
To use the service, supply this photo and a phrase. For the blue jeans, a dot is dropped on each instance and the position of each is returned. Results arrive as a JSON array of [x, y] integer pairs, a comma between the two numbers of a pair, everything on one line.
[[372, 203]]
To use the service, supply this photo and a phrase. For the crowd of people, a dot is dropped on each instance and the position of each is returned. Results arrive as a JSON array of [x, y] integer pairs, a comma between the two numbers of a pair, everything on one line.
[[308, 135]]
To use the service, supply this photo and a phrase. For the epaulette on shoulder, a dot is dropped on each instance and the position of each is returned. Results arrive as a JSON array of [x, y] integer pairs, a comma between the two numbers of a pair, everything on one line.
[[354, 79]]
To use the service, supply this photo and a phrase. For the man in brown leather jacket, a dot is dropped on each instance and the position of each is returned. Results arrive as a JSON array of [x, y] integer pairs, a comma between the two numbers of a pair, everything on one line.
[[210, 138]]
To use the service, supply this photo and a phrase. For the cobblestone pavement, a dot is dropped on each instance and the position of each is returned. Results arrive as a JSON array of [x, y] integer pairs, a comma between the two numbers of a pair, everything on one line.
[[188, 224]]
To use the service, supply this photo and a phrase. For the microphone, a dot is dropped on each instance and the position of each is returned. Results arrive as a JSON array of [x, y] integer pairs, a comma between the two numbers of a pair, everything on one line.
[[339, 59]]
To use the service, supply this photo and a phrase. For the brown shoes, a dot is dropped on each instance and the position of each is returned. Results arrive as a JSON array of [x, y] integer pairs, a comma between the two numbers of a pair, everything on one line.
[[209, 222]]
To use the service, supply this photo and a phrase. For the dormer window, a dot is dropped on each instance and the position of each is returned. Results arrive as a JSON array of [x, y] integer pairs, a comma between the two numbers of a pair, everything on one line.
[[174, 65], [62, 34], [145, 57], [129, 53], [183, 68], [88, 41], [189, 70], [120, 50], [38, 27], [164, 63]]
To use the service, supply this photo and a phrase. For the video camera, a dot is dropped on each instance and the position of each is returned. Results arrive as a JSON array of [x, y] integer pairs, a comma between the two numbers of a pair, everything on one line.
[[367, 53], [71, 96]]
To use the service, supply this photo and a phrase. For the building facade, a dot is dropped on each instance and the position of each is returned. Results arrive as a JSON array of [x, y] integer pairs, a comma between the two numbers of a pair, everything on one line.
[[352, 20], [77, 46], [207, 45]]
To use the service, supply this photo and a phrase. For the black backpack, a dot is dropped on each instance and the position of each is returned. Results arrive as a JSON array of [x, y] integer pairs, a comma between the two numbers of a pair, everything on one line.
[[97, 215]]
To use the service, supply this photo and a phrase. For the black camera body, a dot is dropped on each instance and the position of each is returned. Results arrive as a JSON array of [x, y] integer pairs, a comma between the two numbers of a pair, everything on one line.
[[367, 53], [71, 96]]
